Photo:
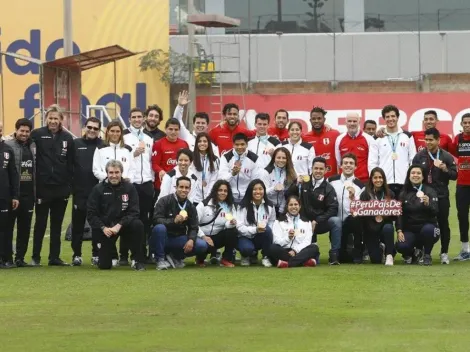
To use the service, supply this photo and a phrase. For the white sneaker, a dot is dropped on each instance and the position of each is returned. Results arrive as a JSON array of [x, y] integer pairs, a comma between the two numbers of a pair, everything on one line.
[[115, 263], [245, 261], [132, 264], [266, 262], [77, 261], [162, 264], [389, 260], [444, 258], [94, 261]]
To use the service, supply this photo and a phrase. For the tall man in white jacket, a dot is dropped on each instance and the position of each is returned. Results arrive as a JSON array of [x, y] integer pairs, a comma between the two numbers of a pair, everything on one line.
[[141, 174], [263, 145], [393, 152]]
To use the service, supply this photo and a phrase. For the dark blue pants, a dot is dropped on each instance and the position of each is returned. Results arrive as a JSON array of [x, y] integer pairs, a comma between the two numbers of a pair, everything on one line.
[[372, 241], [426, 237], [248, 247]]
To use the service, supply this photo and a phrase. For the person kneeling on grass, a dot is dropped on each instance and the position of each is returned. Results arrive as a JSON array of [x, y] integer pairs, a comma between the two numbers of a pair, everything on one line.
[[255, 219], [113, 211], [417, 226], [292, 239], [217, 224], [176, 228]]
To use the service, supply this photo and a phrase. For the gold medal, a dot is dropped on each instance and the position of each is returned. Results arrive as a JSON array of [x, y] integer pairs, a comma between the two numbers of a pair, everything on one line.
[[437, 162], [306, 178], [379, 218], [228, 217], [394, 156], [204, 183], [184, 213], [261, 224], [237, 163]]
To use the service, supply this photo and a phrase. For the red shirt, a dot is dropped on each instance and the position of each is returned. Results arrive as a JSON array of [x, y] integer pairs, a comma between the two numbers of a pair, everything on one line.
[[462, 152], [324, 144], [222, 136], [280, 133], [164, 156], [420, 143], [359, 146]]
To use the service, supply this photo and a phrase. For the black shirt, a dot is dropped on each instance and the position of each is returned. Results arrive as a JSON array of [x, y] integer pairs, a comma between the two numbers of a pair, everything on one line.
[[156, 134], [26, 172]]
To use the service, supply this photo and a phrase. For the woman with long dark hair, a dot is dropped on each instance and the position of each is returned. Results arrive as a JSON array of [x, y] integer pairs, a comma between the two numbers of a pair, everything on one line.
[[292, 239], [378, 230], [278, 176], [255, 219], [217, 223], [205, 164], [417, 228]]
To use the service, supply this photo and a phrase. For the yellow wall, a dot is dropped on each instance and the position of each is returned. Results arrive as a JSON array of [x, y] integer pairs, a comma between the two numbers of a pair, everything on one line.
[[137, 25]]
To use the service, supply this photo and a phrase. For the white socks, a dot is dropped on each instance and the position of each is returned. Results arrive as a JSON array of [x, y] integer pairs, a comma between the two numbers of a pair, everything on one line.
[[465, 247]]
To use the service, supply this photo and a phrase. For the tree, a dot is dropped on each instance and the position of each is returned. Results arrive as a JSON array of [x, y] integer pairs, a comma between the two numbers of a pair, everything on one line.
[[315, 5]]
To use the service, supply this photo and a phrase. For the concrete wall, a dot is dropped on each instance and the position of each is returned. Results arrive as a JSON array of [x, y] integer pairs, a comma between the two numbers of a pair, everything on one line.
[[340, 57]]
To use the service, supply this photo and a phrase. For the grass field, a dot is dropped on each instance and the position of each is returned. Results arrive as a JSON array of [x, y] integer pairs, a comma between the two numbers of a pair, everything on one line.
[[344, 308]]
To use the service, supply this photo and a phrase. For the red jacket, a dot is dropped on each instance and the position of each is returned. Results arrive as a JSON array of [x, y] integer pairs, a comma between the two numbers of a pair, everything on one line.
[[420, 143], [461, 149], [324, 144], [281, 134], [359, 146], [222, 136], [164, 156]]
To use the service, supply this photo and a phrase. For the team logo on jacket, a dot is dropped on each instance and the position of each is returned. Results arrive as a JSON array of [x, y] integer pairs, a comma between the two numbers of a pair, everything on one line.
[[403, 144], [6, 155], [123, 159], [64, 144], [125, 197], [321, 197], [326, 141]]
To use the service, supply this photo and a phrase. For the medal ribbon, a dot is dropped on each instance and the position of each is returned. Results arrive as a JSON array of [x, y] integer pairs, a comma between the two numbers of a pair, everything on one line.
[[263, 139], [260, 212], [278, 172], [183, 206], [204, 160], [393, 142]]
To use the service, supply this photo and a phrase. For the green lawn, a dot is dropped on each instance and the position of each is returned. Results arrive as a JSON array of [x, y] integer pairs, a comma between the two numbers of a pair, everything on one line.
[[345, 308]]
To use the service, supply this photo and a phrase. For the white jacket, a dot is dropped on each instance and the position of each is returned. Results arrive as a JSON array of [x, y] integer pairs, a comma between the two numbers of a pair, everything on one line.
[[342, 194], [169, 185], [261, 149], [189, 137], [302, 154], [380, 154], [206, 213], [105, 153], [210, 177], [248, 230], [142, 165], [249, 171], [270, 179], [303, 234]]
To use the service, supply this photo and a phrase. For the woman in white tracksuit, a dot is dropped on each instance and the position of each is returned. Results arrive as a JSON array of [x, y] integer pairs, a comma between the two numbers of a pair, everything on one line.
[[205, 164], [113, 148], [292, 239]]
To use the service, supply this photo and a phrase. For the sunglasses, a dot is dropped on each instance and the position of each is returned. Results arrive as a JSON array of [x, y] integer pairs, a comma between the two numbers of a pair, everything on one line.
[[92, 128]]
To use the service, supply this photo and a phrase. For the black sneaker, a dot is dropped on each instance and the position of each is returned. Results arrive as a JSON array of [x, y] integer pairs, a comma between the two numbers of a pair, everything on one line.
[[7, 265], [333, 260], [20, 263], [418, 257], [139, 267], [427, 260], [57, 262]]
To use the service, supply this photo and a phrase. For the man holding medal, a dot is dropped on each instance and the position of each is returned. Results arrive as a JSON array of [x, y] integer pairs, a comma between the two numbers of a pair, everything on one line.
[[439, 168], [263, 145], [176, 227], [393, 152]]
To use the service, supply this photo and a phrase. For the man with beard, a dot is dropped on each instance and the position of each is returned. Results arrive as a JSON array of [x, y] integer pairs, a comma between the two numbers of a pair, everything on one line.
[[153, 116], [322, 139], [280, 131]]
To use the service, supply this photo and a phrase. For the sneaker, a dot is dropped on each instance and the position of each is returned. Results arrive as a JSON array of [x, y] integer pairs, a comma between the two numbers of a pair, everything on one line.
[[175, 263], [427, 260], [214, 260], [444, 258], [226, 263], [358, 260], [254, 259], [365, 258], [77, 261], [389, 260], [94, 261], [310, 263], [462, 256], [162, 264], [138, 267], [122, 262], [201, 263], [245, 261], [57, 262], [117, 263], [407, 260], [418, 257], [333, 260], [133, 264], [20, 263], [266, 262], [282, 264], [36, 262], [7, 265]]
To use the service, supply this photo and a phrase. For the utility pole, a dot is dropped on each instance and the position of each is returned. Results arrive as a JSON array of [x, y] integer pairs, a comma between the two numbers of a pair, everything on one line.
[[68, 42], [192, 82]]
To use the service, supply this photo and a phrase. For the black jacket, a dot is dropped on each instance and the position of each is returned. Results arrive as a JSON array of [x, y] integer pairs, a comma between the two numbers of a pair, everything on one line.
[[156, 134], [414, 213], [319, 204], [165, 212], [9, 176], [83, 178], [54, 162], [369, 224], [109, 205], [440, 179]]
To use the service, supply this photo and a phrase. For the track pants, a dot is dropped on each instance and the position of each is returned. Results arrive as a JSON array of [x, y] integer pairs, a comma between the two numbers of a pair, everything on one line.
[[276, 253], [22, 216]]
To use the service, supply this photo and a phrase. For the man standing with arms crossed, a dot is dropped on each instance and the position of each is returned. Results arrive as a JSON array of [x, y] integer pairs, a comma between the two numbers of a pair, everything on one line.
[[54, 174]]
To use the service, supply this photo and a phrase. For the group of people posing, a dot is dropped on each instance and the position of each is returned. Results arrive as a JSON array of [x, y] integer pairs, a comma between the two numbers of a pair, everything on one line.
[[179, 193]]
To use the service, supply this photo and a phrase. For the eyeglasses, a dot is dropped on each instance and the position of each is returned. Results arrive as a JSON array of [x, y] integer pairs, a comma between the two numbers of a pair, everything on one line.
[[92, 128]]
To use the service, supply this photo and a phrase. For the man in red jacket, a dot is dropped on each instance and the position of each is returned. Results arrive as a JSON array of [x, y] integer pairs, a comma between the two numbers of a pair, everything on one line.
[[430, 120], [322, 140], [222, 134], [280, 131]]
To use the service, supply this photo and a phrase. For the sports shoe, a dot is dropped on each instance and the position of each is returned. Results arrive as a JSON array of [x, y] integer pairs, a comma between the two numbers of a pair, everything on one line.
[[138, 266], [162, 264], [7, 265], [201, 262], [389, 260], [254, 259], [77, 261], [407, 260], [226, 263], [418, 256], [57, 262], [427, 260], [214, 260], [133, 263], [310, 263], [462, 256], [20, 263], [333, 260], [116, 263], [282, 264], [94, 261], [36, 262], [245, 261], [444, 258], [266, 262], [175, 263]]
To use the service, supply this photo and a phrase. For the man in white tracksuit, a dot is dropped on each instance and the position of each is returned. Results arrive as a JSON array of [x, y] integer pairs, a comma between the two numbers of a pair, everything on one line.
[[263, 145]]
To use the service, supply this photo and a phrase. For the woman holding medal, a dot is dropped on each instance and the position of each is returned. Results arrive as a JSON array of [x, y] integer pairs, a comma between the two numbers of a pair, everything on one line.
[[205, 164], [255, 219], [417, 226], [278, 176], [378, 229], [217, 224], [292, 239]]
